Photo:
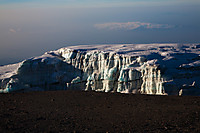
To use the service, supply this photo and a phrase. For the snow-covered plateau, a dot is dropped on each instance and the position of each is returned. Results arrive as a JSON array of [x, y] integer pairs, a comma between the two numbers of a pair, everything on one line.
[[160, 69]]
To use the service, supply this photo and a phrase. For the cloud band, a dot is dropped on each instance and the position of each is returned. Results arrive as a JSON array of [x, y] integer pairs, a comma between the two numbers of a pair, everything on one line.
[[131, 26]]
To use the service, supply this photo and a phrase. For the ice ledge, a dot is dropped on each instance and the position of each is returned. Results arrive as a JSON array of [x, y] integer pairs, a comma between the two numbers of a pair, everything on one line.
[[127, 68]]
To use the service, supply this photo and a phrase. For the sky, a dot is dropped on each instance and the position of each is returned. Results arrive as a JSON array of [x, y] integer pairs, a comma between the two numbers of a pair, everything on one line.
[[30, 28]]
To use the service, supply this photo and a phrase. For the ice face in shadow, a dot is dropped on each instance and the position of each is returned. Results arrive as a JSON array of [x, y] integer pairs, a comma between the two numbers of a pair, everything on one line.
[[158, 69], [48, 72]]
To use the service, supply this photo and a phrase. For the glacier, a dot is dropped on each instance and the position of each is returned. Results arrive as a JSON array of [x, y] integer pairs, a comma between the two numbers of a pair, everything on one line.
[[158, 69]]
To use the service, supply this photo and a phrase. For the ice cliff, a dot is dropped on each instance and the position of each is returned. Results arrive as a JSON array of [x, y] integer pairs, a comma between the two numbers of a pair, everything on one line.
[[160, 69]]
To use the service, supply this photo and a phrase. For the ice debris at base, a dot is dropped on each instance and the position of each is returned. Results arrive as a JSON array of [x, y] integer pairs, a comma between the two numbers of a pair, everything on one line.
[[160, 69]]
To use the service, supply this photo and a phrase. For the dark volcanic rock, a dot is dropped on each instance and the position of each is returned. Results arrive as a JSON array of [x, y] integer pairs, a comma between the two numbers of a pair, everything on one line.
[[69, 111]]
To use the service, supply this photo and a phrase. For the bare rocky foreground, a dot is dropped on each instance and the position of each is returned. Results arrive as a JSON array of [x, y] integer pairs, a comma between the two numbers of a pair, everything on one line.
[[62, 111]]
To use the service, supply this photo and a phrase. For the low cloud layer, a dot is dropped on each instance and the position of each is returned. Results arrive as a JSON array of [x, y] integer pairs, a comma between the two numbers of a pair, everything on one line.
[[12, 30], [131, 26]]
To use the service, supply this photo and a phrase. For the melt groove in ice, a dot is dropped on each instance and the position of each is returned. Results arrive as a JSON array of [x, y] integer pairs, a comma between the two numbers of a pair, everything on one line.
[[159, 69]]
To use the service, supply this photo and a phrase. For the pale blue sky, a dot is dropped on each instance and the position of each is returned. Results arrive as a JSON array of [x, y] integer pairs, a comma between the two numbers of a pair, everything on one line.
[[29, 28], [99, 2]]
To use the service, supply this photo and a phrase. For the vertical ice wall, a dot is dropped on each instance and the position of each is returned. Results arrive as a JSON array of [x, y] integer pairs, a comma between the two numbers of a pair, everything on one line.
[[152, 81], [103, 71], [166, 68]]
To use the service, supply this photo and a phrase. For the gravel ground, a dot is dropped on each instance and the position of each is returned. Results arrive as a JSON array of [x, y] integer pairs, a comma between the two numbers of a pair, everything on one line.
[[79, 111]]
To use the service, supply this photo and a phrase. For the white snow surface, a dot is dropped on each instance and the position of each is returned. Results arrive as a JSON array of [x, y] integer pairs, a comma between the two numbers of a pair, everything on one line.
[[8, 70], [160, 69]]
